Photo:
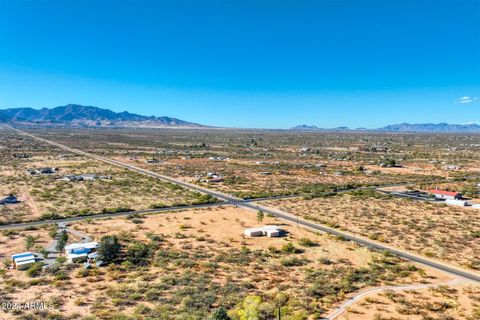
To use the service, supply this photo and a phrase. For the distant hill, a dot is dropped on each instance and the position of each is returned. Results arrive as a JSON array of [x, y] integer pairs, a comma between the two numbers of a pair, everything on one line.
[[305, 127], [402, 127], [78, 115]]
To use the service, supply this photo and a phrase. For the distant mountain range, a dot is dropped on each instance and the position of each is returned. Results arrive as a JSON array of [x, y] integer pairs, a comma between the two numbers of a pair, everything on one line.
[[403, 127], [87, 116], [75, 115]]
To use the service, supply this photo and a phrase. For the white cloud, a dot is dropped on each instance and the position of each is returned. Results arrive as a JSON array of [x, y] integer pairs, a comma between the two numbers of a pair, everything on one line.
[[465, 99], [471, 122]]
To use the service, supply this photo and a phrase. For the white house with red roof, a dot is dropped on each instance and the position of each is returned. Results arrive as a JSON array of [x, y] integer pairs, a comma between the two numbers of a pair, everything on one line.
[[443, 194]]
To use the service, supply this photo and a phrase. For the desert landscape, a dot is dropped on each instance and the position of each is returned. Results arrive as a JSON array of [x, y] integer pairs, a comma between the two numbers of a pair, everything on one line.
[[191, 263], [240, 160]]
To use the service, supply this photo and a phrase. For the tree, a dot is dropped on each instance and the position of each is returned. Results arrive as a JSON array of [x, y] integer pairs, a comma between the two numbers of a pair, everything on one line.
[[251, 308], [108, 249], [220, 314], [62, 241], [388, 163], [29, 242], [260, 216]]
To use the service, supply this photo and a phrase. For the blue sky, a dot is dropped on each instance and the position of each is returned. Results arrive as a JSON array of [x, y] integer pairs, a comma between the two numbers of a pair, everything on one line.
[[269, 64]]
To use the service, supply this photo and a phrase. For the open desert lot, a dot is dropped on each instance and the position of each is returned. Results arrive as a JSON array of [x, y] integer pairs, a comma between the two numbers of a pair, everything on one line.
[[182, 265], [14, 241], [431, 229]]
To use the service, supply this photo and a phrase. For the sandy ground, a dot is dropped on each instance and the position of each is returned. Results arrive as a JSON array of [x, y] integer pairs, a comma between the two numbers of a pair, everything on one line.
[[226, 225], [223, 225]]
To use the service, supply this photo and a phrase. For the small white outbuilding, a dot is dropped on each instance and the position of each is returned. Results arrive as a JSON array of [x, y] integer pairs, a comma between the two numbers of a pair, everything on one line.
[[269, 231], [23, 261], [253, 232]]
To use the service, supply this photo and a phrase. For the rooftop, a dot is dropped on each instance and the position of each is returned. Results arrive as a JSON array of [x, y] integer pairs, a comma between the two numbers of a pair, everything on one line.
[[86, 245], [443, 192]]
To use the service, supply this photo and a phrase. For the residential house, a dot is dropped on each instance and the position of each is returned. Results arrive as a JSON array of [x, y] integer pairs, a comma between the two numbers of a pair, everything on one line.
[[78, 252], [443, 194], [80, 177], [46, 170], [214, 177]]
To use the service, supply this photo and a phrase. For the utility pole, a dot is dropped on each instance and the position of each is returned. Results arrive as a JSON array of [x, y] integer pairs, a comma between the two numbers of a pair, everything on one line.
[[279, 313]]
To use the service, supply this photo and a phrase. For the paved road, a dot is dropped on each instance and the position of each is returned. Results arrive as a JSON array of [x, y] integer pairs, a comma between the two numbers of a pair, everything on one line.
[[362, 294], [281, 214]]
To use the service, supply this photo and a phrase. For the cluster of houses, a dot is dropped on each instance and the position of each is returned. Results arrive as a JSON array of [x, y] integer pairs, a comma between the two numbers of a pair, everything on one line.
[[450, 197], [10, 199], [269, 231], [46, 170], [70, 177], [74, 253]]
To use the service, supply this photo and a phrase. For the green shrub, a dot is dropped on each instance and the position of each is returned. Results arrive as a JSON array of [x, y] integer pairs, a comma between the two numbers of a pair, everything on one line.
[[294, 262], [305, 242], [35, 269]]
